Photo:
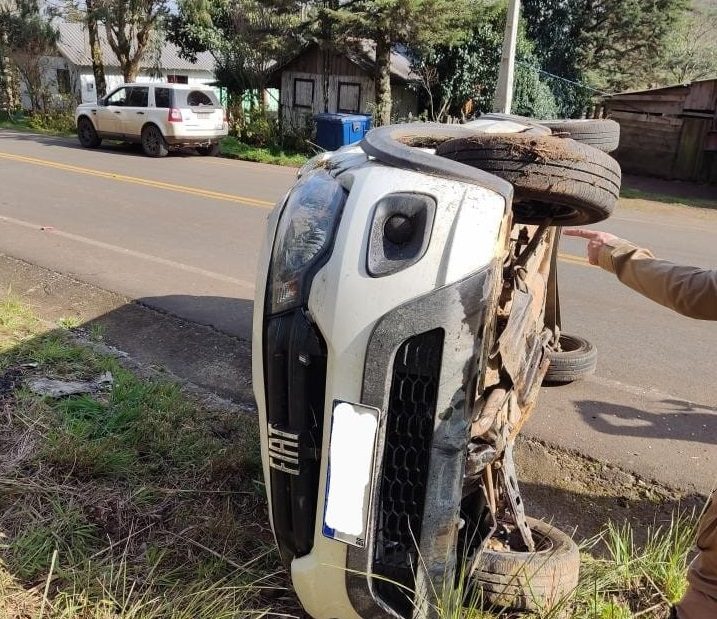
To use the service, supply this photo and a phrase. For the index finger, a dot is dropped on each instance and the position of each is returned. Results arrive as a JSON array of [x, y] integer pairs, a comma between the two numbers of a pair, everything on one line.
[[586, 234]]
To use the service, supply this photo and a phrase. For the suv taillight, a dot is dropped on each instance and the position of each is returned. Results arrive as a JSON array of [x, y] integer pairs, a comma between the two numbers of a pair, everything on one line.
[[175, 115]]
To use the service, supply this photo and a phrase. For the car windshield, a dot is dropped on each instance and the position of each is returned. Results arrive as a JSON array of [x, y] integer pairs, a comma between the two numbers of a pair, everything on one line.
[[196, 98]]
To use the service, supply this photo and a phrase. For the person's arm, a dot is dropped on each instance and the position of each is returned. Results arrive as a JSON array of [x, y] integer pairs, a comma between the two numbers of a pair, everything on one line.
[[691, 291]]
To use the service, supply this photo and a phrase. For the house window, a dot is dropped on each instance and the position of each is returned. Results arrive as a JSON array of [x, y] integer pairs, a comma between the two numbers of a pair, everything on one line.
[[303, 93], [349, 97], [178, 79], [63, 82]]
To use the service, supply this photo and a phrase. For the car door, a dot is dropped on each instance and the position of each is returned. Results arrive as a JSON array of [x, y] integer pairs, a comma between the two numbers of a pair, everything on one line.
[[134, 114], [109, 115]]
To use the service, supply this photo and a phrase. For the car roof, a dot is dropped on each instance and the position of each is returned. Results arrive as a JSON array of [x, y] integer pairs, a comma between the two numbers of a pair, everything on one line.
[[169, 85]]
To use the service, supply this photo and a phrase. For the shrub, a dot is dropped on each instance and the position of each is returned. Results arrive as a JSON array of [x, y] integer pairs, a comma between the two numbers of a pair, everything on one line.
[[52, 122]]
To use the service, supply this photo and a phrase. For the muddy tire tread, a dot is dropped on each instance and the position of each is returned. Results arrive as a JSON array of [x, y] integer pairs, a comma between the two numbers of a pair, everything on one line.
[[525, 581]]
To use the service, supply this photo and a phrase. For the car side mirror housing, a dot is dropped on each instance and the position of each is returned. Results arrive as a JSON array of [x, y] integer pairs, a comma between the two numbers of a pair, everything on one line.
[[101, 101]]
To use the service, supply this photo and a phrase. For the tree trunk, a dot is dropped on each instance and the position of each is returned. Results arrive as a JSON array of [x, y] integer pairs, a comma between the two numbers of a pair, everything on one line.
[[383, 81], [98, 67]]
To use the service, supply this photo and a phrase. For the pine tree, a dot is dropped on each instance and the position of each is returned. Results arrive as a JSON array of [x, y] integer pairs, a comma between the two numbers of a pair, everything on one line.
[[416, 24]]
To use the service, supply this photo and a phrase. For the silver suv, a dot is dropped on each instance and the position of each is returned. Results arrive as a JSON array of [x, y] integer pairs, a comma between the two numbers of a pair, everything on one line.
[[157, 116]]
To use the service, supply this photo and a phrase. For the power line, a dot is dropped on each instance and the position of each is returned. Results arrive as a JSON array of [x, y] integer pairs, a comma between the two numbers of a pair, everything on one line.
[[564, 79]]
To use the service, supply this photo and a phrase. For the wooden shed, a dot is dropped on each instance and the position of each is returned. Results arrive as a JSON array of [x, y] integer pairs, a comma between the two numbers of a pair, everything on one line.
[[318, 80], [668, 132]]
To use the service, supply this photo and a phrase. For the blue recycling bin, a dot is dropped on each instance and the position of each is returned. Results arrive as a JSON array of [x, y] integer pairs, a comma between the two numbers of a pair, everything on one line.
[[336, 130]]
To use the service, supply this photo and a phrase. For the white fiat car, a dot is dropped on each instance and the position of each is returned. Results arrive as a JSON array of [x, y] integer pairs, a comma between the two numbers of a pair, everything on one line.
[[157, 116]]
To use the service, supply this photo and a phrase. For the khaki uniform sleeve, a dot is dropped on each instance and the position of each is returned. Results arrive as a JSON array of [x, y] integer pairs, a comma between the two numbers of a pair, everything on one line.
[[691, 291]]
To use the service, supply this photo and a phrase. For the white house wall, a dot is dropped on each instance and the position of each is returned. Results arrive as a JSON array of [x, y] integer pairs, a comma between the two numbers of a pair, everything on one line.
[[83, 79]]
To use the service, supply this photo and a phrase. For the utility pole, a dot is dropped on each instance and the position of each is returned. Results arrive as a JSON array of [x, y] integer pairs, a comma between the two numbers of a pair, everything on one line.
[[503, 99]]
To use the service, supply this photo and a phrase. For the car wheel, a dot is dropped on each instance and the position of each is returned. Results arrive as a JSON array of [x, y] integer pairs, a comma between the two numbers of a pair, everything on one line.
[[530, 581], [87, 134], [153, 142], [575, 359], [208, 151], [570, 183], [600, 133]]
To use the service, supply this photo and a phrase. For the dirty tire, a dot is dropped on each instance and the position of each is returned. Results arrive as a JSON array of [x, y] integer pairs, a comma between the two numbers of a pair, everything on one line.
[[571, 183], [87, 134], [153, 142], [531, 581], [576, 360], [208, 151], [600, 133]]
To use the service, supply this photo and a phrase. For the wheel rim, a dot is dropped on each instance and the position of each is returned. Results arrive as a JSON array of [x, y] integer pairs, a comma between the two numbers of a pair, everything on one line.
[[537, 211], [85, 132], [151, 141]]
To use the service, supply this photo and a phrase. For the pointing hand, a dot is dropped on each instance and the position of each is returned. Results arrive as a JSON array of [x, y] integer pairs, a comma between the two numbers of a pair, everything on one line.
[[596, 240]]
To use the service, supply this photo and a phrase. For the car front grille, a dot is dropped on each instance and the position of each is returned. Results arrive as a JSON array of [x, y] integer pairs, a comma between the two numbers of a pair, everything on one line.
[[295, 371], [409, 433]]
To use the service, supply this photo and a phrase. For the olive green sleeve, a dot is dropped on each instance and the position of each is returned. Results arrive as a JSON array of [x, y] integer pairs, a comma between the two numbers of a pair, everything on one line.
[[691, 291]]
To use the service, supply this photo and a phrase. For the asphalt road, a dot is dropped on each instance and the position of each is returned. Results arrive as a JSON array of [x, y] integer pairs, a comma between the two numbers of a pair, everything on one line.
[[182, 234]]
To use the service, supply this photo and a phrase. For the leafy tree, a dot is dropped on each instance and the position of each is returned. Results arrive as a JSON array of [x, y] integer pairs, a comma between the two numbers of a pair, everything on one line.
[[416, 24], [98, 65], [29, 37], [691, 50], [130, 25], [246, 37], [86, 12], [608, 44], [461, 79]]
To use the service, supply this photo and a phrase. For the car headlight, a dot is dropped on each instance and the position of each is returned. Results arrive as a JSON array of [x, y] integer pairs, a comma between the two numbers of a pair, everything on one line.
[[303, 237]]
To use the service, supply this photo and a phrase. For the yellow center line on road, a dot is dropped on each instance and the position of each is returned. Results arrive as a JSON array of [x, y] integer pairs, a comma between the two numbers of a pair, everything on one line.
[[146, 182], [188, 268], [575, 260]]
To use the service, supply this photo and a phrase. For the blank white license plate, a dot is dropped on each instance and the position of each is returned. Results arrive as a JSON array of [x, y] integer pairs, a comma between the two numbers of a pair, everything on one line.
[[352, 451]]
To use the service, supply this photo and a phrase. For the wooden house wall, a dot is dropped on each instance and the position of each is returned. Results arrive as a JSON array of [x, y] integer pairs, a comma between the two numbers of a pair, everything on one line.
[[313, 65], [664, 132]]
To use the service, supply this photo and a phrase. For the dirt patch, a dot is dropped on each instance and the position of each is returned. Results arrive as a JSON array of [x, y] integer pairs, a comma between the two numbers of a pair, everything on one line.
[[580, 495], [420, 141], [533, 148]]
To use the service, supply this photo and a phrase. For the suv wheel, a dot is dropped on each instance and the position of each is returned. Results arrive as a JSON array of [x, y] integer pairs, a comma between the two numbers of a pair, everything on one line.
[[153, 142], [87, 134]]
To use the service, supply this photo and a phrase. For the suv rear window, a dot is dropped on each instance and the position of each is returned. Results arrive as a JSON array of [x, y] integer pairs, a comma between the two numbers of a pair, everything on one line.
[[196, 98], [162, 97]]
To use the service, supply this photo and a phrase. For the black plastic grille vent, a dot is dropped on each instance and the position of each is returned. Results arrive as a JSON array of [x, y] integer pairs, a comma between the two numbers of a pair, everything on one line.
[[295, 374], [409, 434]]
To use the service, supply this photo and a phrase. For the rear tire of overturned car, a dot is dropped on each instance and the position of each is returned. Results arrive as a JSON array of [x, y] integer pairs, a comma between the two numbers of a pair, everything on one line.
[[576, 359], [600, 133], [530, 581], [561, 180], [153, 142]]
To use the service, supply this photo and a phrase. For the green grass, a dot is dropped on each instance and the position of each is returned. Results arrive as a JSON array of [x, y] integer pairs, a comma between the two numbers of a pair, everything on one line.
[[59, 125], [638, 194], [137, 502], [134, 502], [234, 149]]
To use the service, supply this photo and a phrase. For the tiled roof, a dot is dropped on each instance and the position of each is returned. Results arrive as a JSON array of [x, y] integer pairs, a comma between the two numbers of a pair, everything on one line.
[[74, 45]]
